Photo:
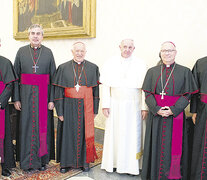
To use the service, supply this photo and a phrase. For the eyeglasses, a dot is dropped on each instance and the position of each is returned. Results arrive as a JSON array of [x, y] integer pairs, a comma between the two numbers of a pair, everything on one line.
[[167, 50]]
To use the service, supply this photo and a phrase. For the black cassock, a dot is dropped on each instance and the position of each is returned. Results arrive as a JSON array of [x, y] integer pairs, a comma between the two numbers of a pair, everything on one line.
[[71, 144], [156, 165], [7, 76], [199, 157], [28, 136]]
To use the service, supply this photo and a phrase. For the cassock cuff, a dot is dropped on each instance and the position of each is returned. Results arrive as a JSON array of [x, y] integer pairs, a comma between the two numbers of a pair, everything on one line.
[[156, 109], [175, 111]]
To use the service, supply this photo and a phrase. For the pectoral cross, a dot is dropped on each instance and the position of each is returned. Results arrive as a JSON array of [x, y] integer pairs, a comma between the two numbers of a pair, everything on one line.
[[77, 87], [162, 93], [35, 68]]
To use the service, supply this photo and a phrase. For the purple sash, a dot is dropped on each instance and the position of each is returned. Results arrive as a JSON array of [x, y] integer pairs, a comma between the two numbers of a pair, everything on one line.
[[41, 80], [177, 136], [2, 125], [204, 98]]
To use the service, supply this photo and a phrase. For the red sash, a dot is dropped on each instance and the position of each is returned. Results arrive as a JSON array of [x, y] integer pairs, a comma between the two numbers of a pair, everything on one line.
[[2, 125], [86, 94], [177, 136], [41, 80]]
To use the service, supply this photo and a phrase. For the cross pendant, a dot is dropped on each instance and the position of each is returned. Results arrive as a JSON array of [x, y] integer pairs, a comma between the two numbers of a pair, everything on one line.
[[162, 93], [77, 87], [35, 68]]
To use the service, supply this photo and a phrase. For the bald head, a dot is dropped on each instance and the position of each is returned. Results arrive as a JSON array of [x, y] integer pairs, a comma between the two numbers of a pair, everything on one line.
[[127, 48], [78, 51]]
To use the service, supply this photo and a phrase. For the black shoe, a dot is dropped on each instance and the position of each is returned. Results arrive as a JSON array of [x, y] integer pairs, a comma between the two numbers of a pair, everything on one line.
[[64, 170], [6, 172], [85, 169], [43, 168]]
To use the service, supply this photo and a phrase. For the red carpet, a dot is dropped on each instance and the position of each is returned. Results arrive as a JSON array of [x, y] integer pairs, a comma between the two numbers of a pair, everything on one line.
[[53, 170]]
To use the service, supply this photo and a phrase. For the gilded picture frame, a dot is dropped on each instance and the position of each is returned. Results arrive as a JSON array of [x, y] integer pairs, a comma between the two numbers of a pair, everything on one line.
[[61, 19]]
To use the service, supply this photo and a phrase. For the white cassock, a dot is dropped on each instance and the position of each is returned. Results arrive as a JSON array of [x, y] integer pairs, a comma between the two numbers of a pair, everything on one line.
[[122, 80]]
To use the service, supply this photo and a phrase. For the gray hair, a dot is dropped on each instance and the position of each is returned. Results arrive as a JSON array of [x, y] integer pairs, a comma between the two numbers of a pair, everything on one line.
[[35, 26], [78, 42]]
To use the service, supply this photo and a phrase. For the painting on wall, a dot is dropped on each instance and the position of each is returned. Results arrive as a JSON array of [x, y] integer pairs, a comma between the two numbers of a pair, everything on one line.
[[59, 18]]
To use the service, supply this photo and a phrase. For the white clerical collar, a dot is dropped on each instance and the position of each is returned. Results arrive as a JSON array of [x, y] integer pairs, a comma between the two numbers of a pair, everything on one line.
[[35, 47], [169, 65], [77, 61]]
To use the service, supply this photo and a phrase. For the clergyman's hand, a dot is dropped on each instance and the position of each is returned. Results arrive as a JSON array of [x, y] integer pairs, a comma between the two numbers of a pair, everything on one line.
[[144, 114], [161, 112], [61, 118], [17, 105], [168, 111], [194, 118], [106, 112], [165, 111], [51, 105]]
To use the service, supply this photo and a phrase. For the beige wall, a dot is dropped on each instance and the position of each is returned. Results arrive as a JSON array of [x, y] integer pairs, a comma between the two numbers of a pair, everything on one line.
[[148, 22]]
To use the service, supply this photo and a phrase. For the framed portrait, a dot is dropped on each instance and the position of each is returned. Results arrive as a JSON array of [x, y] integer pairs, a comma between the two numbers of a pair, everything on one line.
[[60, 19]]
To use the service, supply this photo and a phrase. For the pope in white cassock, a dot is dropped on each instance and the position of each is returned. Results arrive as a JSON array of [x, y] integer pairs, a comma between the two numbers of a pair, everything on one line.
[[124, 106]]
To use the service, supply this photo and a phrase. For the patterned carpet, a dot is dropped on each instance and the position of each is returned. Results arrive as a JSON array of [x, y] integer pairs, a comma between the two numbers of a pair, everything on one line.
[[53, 170]]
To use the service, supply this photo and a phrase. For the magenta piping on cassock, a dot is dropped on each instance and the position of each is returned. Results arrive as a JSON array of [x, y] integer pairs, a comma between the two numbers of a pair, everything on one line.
[[204, 100], [2, 125]]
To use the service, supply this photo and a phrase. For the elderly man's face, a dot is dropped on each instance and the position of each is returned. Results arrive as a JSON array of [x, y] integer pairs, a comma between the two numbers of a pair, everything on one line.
[[168, 53], [127, 48], [35, 37], [79, 52]]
